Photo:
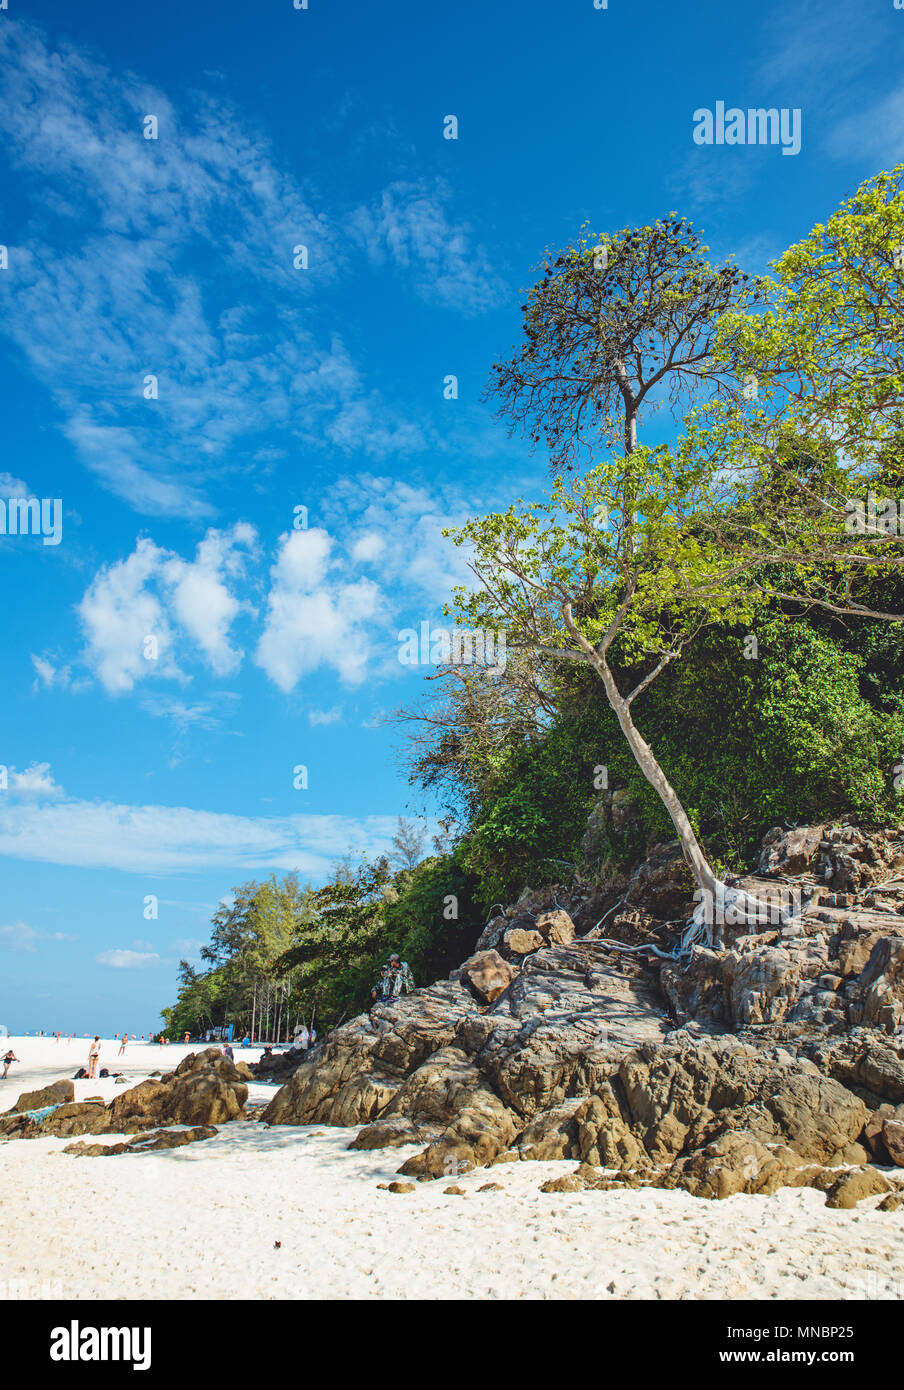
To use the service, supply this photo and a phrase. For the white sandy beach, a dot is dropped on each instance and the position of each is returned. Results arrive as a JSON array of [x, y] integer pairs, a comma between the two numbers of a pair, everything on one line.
[[201, 1221]]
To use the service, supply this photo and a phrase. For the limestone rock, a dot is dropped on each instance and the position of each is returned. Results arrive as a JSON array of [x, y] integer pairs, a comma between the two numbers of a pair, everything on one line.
[[488, 975], [521, 942], [556, 927]]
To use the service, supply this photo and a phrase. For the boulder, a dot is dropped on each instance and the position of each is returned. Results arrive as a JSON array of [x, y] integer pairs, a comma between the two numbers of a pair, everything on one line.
[[787, 852], [488, 975], [520, 942], [893, 1139], [145, 1143], [556, 927], [738, 1162], [54, 1094], [853, 1186]]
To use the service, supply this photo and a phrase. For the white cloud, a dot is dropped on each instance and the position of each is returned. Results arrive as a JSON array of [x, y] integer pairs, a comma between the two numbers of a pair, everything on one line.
[[154, 594], [413, 228], [368, 547], [13, 487], [314, 617], [177, 839], [127, 960], [35, 781], [19, 936], [325, 716], [335, 598], [48, 675], [415, 560], [200, 600]]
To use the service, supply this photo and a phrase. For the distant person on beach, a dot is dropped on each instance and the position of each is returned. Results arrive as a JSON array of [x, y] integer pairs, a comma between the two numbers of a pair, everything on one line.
[[303, 1040], [58, 1037], [246, 1040], [227, 1052], [9, 1058], [93, 1056], [122, 1044], [187, 1038]]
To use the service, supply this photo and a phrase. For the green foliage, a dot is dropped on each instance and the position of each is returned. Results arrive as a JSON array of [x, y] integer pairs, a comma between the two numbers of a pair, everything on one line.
[[809, 730], [358, 921], [325, 946]]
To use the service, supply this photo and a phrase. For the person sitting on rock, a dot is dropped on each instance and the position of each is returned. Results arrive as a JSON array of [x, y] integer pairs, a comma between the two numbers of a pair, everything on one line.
[[401, 978], [382, 989]]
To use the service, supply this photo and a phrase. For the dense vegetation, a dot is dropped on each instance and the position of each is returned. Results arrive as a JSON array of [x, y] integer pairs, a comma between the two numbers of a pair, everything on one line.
[[781, 695]]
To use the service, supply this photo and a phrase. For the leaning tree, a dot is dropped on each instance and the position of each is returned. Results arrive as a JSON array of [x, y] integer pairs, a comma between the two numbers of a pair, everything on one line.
[[634, 556]]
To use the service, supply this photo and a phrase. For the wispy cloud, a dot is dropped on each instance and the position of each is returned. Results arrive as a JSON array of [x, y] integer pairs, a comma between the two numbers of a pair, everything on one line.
[[411, 227], [318, 717], [174, 259], [178, 839], [19, 936], [118, 959], [873, 136]]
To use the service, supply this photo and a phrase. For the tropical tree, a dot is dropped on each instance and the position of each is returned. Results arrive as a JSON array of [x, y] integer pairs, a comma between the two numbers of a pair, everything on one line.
[[652, 545]]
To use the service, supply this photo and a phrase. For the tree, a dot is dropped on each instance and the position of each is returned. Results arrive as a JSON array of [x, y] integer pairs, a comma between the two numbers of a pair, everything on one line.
[[612, 324], [648, 548], [252, 929], [408, 843], [828, 354], [649, 581]]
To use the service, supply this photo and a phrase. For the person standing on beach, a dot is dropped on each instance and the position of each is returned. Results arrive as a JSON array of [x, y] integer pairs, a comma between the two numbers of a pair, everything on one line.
[[122, 1044], [7, 1061], [93, 1057]]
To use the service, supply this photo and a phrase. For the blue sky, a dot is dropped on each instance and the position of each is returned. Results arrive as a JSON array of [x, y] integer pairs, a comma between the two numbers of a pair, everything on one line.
[[321, 388]]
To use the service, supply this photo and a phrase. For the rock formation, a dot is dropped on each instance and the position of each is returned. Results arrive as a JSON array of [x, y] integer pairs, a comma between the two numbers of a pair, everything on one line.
[[204, 1090], [774, 1057]]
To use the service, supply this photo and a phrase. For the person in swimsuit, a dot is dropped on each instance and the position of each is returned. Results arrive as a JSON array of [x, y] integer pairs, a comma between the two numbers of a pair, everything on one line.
[[122, 1044], [93, 1056], [7, 1061]]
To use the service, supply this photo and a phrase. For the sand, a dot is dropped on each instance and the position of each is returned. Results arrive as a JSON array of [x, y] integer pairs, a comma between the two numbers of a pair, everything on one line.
[[202, 1222]]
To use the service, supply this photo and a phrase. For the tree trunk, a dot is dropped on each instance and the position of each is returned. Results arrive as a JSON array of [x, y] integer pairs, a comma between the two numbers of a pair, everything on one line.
[[693, 852]]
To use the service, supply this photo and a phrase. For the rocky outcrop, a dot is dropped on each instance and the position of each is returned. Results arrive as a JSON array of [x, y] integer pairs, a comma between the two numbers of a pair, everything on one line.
[[57, 1093], [773, 1057], [205, 1090], [145, 1143]]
